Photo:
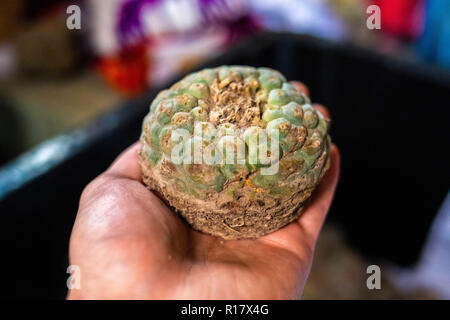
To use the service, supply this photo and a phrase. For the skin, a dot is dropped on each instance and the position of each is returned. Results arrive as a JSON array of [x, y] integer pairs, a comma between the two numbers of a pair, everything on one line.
[[130, 245]]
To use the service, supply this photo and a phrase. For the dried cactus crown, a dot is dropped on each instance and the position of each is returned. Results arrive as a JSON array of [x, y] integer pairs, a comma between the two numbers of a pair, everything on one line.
[[233, 105]]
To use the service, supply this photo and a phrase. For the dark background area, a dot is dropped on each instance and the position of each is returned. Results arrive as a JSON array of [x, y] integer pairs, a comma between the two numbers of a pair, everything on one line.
[[389, 119]]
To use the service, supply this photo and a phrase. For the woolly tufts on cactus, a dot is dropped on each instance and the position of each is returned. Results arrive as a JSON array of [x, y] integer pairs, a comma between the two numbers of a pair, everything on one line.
[[237, 151]]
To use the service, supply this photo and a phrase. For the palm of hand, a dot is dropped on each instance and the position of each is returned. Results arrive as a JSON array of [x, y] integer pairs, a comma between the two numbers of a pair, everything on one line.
[[129, 245]]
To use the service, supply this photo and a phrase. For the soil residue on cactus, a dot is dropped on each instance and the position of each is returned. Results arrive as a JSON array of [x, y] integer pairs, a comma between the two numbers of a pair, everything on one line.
[[234, 102]]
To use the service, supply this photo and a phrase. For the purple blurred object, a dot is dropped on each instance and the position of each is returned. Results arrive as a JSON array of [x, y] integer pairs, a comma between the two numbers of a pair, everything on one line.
[[194, 14], [222, 11], [130, 23]]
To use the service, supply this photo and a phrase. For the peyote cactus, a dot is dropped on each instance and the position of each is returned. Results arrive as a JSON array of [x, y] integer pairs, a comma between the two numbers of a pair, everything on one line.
[[236, 150]]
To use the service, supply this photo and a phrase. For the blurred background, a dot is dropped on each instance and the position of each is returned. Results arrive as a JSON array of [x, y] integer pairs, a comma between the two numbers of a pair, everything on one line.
[[75, 82]]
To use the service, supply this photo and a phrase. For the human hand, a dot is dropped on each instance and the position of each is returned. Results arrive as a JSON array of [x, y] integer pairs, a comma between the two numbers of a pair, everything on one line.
[[129, 245]]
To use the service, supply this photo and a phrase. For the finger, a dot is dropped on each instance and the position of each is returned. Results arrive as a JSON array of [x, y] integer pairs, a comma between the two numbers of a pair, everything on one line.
[[316, 211], [301, 86], [126, 164], [322, 110]]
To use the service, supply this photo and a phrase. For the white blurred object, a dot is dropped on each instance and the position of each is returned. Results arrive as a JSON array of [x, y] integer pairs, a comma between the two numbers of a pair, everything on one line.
[[303, 16], [183, 15], [102, 25], [432, 272], [166, 16], [116, 23], [182, 52]]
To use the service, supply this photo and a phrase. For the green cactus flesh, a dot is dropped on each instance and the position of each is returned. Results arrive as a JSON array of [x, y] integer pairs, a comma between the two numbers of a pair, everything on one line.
[[233, 113]]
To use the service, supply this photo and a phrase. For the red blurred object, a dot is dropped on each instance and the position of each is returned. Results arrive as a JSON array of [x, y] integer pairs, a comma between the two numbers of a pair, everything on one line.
[[402, 18], [127, 72]]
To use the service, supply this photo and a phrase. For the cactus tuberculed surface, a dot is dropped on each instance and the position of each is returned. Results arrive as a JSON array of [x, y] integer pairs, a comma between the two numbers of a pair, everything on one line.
[[206, 147]]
